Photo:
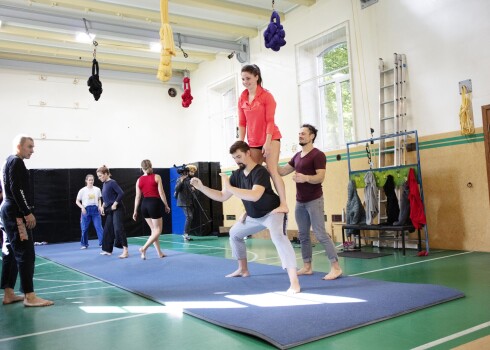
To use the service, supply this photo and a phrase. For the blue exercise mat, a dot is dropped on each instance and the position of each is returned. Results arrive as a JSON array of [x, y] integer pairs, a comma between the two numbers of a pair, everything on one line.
[[257, 305]]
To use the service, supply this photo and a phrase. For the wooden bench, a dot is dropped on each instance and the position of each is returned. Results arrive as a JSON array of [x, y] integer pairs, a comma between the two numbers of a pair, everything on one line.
[[383, 228]]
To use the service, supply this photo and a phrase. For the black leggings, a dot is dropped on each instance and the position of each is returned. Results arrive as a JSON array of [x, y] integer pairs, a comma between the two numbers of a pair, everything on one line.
[[21, 257], [114, 228]]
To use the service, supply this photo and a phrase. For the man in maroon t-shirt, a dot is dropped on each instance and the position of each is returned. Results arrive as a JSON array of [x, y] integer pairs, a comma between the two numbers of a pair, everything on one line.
[[310, 165]]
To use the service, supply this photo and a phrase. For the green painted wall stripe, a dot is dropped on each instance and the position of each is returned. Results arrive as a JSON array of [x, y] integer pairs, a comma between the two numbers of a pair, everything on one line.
[[469, 138], [445, 142]]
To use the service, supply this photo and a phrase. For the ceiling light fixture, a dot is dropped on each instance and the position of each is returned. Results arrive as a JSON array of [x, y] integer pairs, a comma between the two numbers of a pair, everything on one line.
[[155, 47], [84, 37]]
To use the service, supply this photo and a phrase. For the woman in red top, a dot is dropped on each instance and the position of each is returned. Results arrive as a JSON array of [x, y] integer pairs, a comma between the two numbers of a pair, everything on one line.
[[256, 108], [150, 185]]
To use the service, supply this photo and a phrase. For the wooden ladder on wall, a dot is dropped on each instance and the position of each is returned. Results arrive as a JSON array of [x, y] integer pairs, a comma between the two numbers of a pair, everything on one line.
[[392, 119]]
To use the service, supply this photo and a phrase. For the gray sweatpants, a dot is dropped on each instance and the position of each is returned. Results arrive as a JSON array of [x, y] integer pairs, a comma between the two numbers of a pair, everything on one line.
[[312, 214], [277, 227]]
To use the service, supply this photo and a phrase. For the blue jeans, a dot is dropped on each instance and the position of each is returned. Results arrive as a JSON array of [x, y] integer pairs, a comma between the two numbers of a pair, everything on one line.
[[312, 214], [92, 215]]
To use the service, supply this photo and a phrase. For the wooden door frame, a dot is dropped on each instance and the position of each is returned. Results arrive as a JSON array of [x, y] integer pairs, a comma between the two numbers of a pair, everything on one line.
[[486, 134]]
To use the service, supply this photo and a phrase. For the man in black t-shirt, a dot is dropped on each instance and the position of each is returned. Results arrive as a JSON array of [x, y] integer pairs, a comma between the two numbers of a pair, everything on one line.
[[1, 225], [251, 183], [18, 221]]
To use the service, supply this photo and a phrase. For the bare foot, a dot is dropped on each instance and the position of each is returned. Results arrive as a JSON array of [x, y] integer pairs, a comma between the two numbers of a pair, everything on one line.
[[37, 302], [123, 256], [10, 299], [305, 271], [162, 255], [143, 254], [281, 209], [333, 274], [238, 273], [294, 288]]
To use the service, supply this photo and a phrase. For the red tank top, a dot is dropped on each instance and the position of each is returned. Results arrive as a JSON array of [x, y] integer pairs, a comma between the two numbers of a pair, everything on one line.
[[148, 186]]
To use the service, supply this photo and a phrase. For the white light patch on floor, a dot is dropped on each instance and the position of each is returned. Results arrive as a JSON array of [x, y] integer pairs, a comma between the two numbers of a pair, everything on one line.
[[132, 310], [204, 305], [283, 299], [103, 310], [152, 310]]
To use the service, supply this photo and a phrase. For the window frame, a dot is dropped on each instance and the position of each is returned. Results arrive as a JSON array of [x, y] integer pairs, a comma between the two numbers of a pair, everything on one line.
[[321, 85]]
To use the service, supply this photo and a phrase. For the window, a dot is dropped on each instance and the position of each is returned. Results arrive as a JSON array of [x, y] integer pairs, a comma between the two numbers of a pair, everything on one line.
[[222, 102], [230, 118], [324, 83]]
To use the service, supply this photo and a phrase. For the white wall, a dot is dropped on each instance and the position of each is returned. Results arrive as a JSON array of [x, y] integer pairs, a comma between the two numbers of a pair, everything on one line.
[[444, 41], [130, 122]]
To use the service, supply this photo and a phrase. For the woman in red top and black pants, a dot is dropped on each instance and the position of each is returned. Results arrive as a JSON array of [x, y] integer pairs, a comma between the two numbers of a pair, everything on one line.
[[256, 109], [150, 185]]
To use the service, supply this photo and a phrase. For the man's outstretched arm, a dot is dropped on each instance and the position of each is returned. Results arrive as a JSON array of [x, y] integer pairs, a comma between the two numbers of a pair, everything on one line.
[[215, 195]]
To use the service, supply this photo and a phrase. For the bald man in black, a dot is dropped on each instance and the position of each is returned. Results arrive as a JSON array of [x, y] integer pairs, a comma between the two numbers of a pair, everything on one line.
[[18, 221]]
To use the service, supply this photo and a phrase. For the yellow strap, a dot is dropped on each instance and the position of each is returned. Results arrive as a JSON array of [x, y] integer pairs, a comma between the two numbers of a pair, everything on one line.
[[164, 11], [167, 41], [465, 113]]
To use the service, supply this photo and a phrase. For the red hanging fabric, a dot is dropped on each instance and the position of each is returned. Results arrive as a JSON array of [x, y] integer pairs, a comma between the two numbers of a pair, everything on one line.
[[186, 96], [417, 214]]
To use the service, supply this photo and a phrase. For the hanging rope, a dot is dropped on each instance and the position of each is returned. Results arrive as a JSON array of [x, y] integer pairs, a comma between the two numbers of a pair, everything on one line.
[[274, 34], [168, 47], [465, 113], [94, 83], [186, 96], [368, 153]]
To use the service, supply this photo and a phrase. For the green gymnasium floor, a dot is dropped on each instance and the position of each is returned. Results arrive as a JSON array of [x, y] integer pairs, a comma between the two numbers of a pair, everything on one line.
[[90, 315]]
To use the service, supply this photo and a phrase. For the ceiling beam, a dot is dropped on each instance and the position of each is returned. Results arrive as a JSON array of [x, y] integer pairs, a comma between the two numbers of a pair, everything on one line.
[[232, 8], [104, 43], [80, 69], [86, 56], [303, 2], [135, 13], [38, 19]]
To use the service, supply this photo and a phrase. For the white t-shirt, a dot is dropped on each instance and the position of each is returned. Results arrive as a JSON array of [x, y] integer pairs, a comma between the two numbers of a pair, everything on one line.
[[89, 196]]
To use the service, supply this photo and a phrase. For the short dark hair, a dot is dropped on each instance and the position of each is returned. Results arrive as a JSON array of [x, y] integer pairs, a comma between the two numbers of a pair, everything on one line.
[[239, 146], [312, 130], [254, 70], [89, 175]]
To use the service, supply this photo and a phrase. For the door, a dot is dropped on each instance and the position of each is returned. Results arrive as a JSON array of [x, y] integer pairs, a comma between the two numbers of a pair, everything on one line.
[[486, 134]]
